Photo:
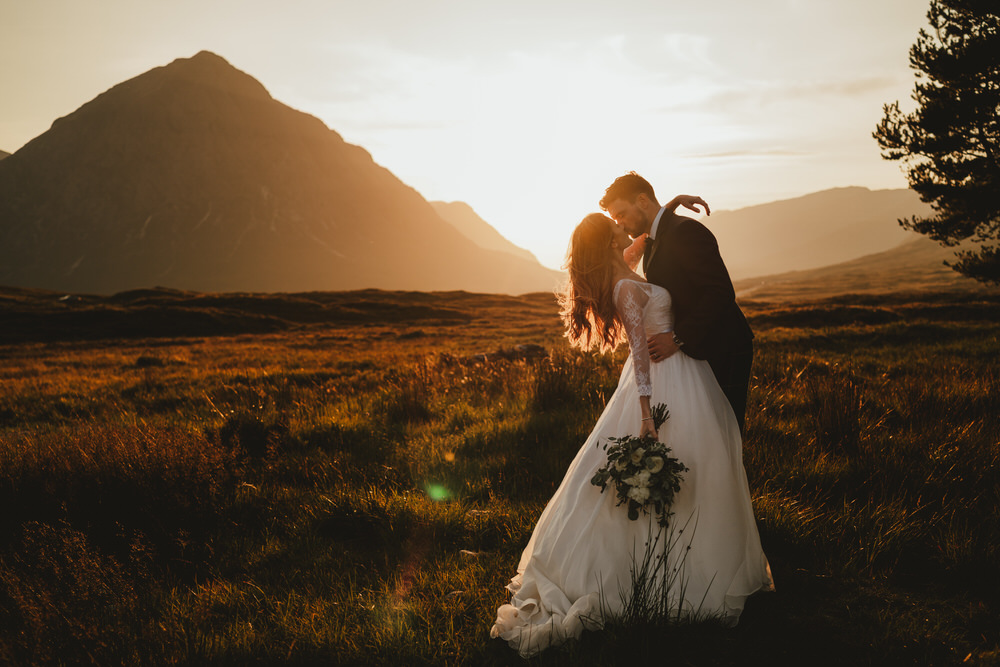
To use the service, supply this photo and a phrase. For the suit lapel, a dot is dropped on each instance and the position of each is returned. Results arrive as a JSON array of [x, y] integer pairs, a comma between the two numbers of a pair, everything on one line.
[[667, 225], [647, 256]]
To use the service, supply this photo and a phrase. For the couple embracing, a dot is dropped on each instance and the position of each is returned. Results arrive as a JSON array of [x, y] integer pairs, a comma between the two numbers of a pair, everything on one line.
[[690, 349]]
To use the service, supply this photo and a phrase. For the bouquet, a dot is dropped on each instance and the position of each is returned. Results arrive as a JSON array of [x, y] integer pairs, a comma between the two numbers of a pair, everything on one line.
[[645, 475]]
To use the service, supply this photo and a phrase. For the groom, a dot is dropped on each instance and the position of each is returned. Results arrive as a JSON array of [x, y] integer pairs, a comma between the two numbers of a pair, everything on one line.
[[682, 256]]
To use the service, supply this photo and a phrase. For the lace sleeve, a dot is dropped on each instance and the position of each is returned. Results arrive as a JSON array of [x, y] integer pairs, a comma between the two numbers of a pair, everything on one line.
[[630, 299]]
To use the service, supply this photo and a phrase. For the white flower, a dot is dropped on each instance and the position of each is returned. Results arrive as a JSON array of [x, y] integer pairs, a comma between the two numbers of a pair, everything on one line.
[[654, 464], [619, 465], [639, 494], [638, 481], [637, 455]]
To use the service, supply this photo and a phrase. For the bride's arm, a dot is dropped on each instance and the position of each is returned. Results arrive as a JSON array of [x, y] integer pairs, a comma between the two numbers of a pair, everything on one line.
[[629, 300], [688, 201], [648, 428]]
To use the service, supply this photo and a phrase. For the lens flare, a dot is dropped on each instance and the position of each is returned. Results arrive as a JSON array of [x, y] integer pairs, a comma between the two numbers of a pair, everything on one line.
[[437, 492]]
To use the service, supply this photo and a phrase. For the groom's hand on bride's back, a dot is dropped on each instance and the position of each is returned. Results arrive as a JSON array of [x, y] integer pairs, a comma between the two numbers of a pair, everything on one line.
[[662, 346]]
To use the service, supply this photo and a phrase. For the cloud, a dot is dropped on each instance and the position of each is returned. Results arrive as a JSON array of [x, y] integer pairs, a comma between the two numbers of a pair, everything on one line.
[[840, 88], [755, 95], [692, 51], [396, 125], [746, 153]]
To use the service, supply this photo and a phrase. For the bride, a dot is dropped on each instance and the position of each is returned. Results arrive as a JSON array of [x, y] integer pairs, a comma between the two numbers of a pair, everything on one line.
[[579, 564]]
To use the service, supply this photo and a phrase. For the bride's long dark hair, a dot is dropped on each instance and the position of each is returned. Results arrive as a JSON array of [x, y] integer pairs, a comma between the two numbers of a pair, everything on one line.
[[588, 308]]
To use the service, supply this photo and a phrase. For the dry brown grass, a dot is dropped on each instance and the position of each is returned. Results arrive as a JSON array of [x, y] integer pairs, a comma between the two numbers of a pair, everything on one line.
[[358, 490]]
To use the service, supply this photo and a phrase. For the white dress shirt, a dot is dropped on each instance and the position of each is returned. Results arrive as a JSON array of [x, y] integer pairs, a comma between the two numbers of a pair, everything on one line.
[[656, 223]]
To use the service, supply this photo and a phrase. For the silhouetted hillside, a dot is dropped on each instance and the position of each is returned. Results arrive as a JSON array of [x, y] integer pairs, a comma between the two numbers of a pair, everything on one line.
[[477, 230], [816, 230], [916, 266], [36, 315], [193, 177]]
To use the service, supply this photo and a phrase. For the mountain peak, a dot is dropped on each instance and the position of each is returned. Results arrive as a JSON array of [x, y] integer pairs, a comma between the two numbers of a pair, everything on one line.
[[208, 69], [206, 56], [202, 86], [191, 175]]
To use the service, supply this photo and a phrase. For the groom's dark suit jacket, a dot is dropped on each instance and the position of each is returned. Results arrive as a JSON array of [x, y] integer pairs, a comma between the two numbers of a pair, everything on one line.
[[684, 258]]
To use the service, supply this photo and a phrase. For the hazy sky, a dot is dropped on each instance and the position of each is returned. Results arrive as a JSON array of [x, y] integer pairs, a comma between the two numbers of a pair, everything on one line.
[[526, 110]]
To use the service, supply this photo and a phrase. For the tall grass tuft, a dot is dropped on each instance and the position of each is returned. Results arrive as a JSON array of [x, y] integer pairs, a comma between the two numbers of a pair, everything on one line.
[[657, 594], [63, 599], [168, 485], [654, 610], [571, 378], [250, 435], [836, 403], [405, 398]]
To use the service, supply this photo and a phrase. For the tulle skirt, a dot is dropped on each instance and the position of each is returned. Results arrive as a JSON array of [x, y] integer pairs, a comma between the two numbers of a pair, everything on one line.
[[578, 567]]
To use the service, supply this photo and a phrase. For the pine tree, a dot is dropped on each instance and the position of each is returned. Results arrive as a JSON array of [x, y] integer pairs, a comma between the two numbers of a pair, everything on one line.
[[950, 145]]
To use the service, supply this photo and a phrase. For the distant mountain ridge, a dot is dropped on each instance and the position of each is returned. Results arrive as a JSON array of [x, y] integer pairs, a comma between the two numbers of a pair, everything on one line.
[[915, 266], [192, 176], [815, 230], [467, 221]]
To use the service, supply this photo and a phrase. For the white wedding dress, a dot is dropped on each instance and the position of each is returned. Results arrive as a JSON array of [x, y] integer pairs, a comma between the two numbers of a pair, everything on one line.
[[579, 559]]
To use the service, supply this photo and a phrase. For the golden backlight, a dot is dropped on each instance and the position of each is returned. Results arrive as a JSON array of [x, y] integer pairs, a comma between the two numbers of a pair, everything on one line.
[[525, 111]]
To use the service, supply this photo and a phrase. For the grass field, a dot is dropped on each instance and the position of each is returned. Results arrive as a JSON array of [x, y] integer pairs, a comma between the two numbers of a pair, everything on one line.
[[350, 478]]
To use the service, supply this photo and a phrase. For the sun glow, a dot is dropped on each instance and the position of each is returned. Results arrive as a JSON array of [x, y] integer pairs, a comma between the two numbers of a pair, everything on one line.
[[531, 142], [525, 113]]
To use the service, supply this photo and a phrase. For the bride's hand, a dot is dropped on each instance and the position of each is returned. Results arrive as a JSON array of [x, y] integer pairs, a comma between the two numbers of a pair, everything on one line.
[[648, 430], [633, 253]]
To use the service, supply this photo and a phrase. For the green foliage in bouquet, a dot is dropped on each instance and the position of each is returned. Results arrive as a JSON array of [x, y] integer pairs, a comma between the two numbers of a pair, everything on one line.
[[645, 475]]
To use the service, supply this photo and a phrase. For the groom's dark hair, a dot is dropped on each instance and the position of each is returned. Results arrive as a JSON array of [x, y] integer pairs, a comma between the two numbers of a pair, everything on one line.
[[627, 187]]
